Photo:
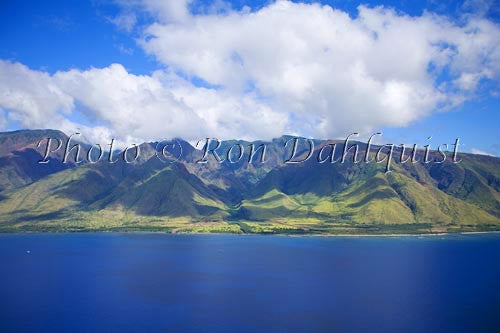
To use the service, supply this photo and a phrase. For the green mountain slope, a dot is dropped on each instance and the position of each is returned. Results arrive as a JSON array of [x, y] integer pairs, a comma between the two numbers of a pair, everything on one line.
[[184, 196], [20, 153]]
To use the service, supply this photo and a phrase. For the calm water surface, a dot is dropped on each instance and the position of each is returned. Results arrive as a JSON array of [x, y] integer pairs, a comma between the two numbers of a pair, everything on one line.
[[223, 283]]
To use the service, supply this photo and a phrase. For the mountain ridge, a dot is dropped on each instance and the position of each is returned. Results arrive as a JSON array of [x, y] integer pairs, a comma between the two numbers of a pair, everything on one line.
[[184, 196]]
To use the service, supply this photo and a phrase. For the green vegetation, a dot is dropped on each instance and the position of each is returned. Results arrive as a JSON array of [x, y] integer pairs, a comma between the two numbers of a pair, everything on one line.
[[274, 198]]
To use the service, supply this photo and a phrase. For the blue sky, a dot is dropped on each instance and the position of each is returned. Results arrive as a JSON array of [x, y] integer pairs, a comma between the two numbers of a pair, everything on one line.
[[59, 36]]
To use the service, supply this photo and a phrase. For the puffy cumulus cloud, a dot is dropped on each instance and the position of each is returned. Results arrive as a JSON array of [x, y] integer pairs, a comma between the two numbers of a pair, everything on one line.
[[287, 67], [333, 73], [31, 96], [225, 115], [133, 106], [129, 107]]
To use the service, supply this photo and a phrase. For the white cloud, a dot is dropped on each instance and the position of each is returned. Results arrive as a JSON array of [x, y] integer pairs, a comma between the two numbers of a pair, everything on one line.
[[130, 107], [480, 152], [125, 22], [336, 74], [32, 96], [164, 11], [286, 68]]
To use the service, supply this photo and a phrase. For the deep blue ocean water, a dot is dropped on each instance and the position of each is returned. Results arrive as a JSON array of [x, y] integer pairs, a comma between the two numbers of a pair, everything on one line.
[[222, 283]]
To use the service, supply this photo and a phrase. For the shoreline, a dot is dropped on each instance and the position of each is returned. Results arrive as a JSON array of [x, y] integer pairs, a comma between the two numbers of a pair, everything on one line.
[[257, 234]]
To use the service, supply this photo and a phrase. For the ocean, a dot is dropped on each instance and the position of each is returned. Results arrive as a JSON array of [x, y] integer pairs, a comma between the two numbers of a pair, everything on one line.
[[118, 282]]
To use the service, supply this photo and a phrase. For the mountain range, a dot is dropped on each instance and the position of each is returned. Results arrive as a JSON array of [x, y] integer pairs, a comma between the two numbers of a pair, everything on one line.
[[181, 195]]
